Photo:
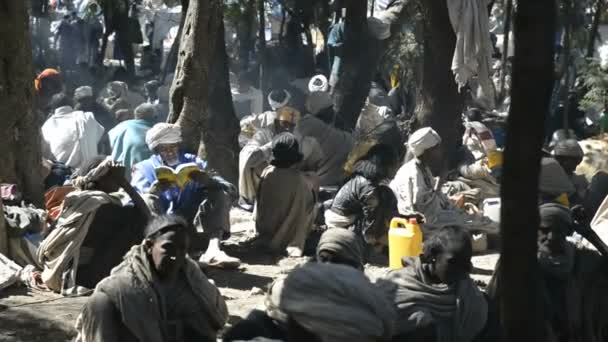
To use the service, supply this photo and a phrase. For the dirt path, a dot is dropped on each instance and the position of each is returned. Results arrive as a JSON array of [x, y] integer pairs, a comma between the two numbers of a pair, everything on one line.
[[23, 317]]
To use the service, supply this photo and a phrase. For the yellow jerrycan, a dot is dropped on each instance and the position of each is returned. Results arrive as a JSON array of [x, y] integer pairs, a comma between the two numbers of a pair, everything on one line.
[[404, 240]]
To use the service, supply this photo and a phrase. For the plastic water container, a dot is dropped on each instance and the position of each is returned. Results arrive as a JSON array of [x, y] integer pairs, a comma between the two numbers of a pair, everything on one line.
[[404, 240], [491, 209]]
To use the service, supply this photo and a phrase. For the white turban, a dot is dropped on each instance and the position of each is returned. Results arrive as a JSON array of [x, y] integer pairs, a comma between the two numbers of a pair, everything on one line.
[[318, 83], [275, 104], [82, 92], [422, 140], [317, 101], [163, 133]]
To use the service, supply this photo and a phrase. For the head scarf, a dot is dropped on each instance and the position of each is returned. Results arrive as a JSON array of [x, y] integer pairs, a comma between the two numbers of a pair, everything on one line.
[[568, 148], [145, 110], [553, 178], [423, 140], [343, 243], [555, 215], [83, 92], [335, 302], [275, 104], [318, 83], [285, 150], [317, 101], [163, 133], [118, 89], [288, 114], [46, 73], [378, 28]]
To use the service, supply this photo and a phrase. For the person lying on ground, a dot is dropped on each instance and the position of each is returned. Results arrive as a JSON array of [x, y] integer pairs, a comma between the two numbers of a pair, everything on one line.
[[569, 155], [156, 294], [94, 229], [128, 138], [72, 135], [256, 155], [285, 208], [321, 303], [365, 204], [417, 190], [204, 199], [572, 282], [435, 297]]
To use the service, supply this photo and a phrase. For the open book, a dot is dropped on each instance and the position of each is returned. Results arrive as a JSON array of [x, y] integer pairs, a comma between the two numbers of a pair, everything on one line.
[[180, 176]]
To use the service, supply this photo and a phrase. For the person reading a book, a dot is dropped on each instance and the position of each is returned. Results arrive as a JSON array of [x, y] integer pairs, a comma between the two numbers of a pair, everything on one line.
[[175, 182]]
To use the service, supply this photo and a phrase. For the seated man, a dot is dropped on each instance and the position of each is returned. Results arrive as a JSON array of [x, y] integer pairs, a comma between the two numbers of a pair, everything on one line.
[[569, 155], [71, 135], [435, 296], [417, 192], [128, 139], [554, 185], [285, 209], [156, 294], [250, 124], [94, 229], [318, 303], [205, 199], [364, 204], [255, 156], [572, 283]]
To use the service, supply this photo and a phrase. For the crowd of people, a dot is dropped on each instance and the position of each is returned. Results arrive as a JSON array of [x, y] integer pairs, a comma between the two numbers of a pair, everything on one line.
[[134, 220]]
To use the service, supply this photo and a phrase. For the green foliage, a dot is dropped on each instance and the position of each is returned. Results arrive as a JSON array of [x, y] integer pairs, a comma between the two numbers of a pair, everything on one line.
[[596, 83]]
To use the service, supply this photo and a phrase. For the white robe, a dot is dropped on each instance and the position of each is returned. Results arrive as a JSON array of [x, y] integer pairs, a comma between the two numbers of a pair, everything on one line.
[[253, 159], [72, 136], [414, 187]]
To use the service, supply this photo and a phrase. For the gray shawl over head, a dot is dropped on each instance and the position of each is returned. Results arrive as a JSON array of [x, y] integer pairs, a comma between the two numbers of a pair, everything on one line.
[[335, 302], [458, 312], [130, 287], [343, 243]]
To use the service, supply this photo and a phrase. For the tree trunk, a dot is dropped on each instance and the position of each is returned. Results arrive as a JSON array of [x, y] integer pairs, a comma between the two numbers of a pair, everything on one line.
[[357, 67], [441, 103], [263, 84], [597, 18], [221, 127], [20, 147], [189, 91], [3, 232], [171, 61], [533, 74]]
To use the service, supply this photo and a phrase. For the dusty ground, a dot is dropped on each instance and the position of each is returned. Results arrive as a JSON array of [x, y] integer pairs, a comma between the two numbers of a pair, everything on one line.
[[32, 317]]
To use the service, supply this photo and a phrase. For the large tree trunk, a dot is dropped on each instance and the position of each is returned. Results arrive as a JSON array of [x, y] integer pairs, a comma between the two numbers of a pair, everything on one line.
[[357, 67], [205, 113], [441, 103], [19, 127], [533, 73], [221, 127], [597, 18]]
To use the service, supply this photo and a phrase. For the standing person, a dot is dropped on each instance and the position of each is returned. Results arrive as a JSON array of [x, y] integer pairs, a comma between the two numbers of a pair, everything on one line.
[[156, 294], [205, 199], [66, 44], [72, 135], [128, 138], [93, 33], [285, 208]]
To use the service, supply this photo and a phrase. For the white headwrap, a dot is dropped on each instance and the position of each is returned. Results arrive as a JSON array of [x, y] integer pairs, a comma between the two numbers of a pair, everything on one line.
[[276, 105], [318, 83], [422, 140], [163, 133], [82, 92], [317, 101]]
